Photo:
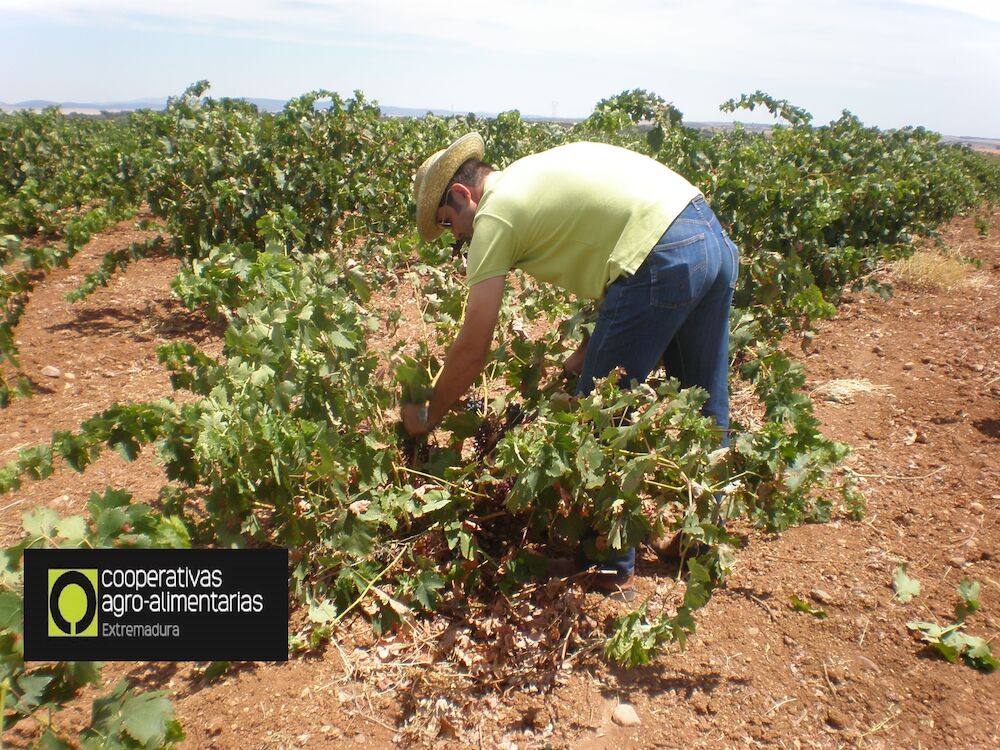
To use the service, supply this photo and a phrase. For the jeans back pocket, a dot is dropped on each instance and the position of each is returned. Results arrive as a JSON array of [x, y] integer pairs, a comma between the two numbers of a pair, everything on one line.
[[677, 272]]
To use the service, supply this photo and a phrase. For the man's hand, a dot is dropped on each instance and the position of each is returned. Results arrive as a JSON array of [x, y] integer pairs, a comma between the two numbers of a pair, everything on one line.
[[414, 418], [574, 363]]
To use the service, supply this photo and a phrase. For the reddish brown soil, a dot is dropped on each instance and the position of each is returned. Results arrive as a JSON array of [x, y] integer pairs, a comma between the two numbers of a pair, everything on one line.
[[757, 673]]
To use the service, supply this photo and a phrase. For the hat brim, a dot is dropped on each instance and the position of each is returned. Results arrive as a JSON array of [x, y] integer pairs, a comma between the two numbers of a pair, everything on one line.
[[433, 177]]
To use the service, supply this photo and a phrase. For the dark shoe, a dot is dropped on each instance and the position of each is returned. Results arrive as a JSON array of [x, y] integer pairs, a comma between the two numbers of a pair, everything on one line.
[[616, 585]]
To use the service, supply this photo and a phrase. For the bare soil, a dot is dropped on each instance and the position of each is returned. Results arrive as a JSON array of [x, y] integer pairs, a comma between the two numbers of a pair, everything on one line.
[[757, 674]]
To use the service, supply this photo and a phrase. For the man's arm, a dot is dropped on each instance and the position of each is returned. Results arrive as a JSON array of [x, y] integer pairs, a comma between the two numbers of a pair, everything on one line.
[[465, 358]]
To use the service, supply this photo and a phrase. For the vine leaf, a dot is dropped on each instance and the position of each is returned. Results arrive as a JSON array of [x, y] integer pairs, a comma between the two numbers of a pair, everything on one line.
[[146, 718], [969, 591], [905, 587], [801, 605]]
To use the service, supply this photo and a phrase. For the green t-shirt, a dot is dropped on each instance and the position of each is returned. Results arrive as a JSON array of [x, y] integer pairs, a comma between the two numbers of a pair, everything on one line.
[[577, 216]]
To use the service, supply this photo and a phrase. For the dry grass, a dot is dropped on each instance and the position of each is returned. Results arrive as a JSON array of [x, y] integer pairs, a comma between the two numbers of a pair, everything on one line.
[[930, 270]]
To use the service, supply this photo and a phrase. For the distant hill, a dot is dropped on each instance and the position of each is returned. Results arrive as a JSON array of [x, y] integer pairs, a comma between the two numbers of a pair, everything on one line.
[[88, 107]]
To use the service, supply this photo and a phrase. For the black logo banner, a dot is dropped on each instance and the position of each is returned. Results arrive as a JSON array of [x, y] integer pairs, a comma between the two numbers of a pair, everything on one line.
[[155, 605]]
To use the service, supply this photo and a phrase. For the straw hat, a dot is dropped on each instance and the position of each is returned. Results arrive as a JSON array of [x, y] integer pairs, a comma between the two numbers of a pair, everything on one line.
[[433, 177]]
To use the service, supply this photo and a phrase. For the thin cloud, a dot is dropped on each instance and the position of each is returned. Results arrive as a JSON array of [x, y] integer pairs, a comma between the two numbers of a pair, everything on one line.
[[984, 10]]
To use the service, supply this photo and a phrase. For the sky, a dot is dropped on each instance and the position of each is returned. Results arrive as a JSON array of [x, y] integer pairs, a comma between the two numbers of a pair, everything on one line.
[[933, 63]]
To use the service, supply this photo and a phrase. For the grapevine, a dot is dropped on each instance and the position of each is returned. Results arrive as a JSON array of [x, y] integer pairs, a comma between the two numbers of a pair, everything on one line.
[[295, 228]]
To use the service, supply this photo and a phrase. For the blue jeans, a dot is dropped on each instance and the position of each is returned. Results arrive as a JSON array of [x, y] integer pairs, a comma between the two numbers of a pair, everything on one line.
[[674, 309]]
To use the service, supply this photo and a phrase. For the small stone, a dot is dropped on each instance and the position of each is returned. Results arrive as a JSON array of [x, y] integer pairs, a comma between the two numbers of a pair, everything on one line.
[[837, 719], [868, 663], [625, 716], [69, 376], [878, 350], [956, 561], [788, 640], [821, 596], [864, 597], [908, 365], [976, 507], [702, 704], [50, 371], [978, 368], [753, 631]]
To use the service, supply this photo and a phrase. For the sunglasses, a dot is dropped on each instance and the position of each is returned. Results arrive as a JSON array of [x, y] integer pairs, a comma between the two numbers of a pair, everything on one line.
[[444, 223]]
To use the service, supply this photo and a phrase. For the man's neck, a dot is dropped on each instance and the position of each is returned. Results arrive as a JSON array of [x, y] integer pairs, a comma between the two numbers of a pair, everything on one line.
[[482, 187]]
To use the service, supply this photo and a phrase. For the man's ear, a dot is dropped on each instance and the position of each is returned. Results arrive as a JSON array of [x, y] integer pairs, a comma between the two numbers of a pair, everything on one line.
[[461, 192]]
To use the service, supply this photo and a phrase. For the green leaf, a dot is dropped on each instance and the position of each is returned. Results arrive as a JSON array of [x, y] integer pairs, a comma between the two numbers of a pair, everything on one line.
[[905, 587], [49, 741], [969, 591], [32, 688], [72, 528], [428, 582], [978, 654], [11, 612], [355, 537], [634, 472], [80, 673], [339, 340], [590, 464], [952, 643], [435, 500], [801, 605], [40, 522], [172, 533], [462, 425], [261, 375], [111, 498], [146, 717], [359, 283], [215, 670], [109, 523], [323, 613]]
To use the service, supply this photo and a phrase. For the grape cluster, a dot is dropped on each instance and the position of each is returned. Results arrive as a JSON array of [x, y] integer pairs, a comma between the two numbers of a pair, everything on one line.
[[486, 437], [415, 450], [500, 490], [492, 430]]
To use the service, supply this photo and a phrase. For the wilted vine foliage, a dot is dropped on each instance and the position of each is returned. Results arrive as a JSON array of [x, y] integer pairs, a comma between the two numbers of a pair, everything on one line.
[[287, 222]]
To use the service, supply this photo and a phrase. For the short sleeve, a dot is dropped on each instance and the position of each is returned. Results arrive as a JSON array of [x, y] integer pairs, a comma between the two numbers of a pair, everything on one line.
[[491, 251]]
